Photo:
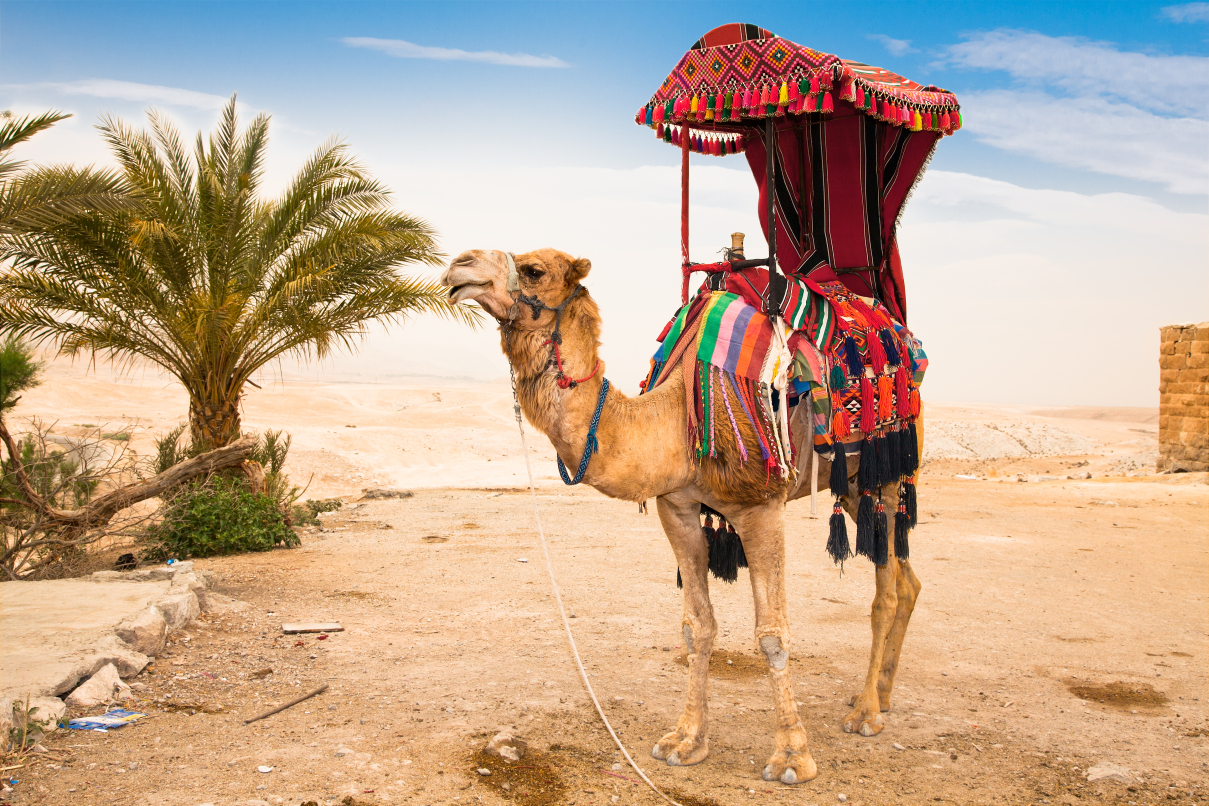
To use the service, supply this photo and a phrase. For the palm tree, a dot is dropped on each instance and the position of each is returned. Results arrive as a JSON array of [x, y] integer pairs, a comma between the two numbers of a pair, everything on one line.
[[44, 196], [208, 279]]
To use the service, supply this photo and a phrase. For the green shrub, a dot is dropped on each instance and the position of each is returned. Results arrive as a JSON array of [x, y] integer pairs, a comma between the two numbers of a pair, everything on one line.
[[219, 516], [117, 436], [307, 513]]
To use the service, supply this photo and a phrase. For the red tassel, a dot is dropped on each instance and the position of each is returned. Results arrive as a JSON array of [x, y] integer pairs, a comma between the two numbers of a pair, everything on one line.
[[860, 95], [903, 390], [868, 407], [794, 93], [915, 408], [828, 104], [812, 103], [765, 97], [640, 118], [659, 113], [847, 93], [885, 398], [659, 131], [944, 121], [877, 355], [927, 120], [814, 84]]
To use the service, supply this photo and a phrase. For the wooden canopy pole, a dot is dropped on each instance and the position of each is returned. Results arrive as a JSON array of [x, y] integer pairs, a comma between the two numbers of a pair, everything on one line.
[[776, 283], [684, 135]]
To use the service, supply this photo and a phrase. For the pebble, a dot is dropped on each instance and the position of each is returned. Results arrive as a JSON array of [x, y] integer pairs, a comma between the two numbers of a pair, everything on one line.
[[521, 560], [616, 766], [343, 751], [898, 746], [264, 769], [484, 771], [134, 765], [842, 798]]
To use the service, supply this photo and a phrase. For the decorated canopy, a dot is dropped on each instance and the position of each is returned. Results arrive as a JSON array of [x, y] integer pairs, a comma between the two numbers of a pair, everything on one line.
[[851, 140]]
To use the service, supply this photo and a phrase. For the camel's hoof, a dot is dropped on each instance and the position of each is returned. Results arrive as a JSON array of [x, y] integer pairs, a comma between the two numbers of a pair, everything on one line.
[[790, 768], [680, 751], [865, 721]]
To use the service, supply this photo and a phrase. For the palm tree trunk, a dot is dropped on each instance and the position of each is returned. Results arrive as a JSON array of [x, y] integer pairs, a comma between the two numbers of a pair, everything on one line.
[[213, 418]]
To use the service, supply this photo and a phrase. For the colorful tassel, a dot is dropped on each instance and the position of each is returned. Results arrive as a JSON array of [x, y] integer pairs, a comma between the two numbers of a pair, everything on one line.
[[852, 354], [865, 517], [840, 427], [828, 104], [783, 95], [887, 339], [764, 96], [868, 406], [945, 121], [837, 541], [877, 354], [881, 536], [838, 480], [659, 112], [838, 379], [860, 96], [814, 84], [915, 407], [650, 115], [812, 102], [795, 91], [885, 398]]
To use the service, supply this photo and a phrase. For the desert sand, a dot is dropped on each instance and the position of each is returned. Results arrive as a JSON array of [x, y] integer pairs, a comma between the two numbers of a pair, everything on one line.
[[1062, 625]]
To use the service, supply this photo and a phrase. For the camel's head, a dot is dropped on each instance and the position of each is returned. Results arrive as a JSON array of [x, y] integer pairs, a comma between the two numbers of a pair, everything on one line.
[[482, 275]]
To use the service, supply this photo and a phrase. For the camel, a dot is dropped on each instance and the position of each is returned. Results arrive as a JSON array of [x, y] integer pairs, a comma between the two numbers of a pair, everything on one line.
[[644, 453]]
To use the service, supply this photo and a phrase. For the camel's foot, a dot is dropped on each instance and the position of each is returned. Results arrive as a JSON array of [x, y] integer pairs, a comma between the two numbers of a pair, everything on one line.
[[866, 718], [883, 698], [680, 750], [789, 767]]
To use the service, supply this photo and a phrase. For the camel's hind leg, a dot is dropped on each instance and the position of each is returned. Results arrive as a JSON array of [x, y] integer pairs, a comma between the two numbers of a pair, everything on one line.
[[907, 587], [689, 742], [762, 530]]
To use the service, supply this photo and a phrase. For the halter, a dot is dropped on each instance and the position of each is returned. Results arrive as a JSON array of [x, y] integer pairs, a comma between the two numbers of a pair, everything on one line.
[[536, 306]]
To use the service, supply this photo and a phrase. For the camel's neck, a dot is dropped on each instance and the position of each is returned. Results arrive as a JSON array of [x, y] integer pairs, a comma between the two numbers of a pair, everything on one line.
[[561, 414]]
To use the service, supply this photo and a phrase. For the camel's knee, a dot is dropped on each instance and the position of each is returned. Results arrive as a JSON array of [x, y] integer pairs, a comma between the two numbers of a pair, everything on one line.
[[696, 638], [775, 651], [911, 586]]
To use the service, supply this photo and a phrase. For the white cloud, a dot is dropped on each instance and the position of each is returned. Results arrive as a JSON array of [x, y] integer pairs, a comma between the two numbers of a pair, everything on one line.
[[1163, 83], [896, 46], [1095, 134], [407, 50], [132, 91], [1188, 12]]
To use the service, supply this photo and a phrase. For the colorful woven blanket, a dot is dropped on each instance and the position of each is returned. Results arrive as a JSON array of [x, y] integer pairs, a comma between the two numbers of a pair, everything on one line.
[[842, 355]]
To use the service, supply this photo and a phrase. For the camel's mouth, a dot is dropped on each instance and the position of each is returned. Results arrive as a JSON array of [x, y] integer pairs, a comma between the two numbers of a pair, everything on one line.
[[465, 291]]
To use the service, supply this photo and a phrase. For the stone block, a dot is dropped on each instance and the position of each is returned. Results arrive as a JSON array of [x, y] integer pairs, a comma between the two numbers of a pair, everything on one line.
[[151, 574], [102, 687], [108, 576], [144, 632], [111, 650], [178, 609]]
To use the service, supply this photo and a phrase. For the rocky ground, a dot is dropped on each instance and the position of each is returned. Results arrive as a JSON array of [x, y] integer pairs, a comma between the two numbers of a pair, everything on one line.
[[1062, 627]]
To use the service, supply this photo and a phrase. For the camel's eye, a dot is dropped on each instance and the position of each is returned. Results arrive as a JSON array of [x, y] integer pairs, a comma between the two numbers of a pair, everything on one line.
[[532, 273]]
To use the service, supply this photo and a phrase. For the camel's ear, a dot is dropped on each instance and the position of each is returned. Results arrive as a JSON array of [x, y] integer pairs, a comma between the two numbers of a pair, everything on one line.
[[579, 270]]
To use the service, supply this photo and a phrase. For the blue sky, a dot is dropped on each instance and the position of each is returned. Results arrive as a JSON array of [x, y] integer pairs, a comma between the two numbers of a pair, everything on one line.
[[1043, 249]]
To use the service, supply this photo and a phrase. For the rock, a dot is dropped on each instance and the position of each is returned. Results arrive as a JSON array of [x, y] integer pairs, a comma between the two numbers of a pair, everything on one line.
[[898, 746], [188, 581], [144, 632], [484, 771], [224, 604], [1081, 476], [263, 768], [341, 752], [109, 576], [507, 746], [178, 609], [134, 765], [37, 748], [99, 689], [150, 574], [207, 578], [842, 798], [184, 567], [1105, 771], [112, 649], [379, 493]]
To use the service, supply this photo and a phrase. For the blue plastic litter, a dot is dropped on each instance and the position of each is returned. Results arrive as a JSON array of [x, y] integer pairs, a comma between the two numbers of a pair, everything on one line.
[[117, 718]]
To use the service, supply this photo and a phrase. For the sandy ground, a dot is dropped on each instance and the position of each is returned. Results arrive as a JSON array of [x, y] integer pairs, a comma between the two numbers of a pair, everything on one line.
[[1063, 623]]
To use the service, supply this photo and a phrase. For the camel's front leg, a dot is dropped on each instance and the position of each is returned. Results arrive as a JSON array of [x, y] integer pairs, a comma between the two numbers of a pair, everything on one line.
[[763, 533], [689, 742]]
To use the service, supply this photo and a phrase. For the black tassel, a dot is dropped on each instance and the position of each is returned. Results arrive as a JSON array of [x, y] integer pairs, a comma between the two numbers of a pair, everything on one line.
[[902, 525], [866, 474], [894, 446], [881, 536], [884, 473], [737, 548], [905, 451], [913, 448], [839, 469], [837, 542], [910, 504], [864, 526], [679, 581]]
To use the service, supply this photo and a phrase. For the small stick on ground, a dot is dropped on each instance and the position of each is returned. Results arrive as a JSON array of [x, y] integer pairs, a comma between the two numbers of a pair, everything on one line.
[[289, 704]]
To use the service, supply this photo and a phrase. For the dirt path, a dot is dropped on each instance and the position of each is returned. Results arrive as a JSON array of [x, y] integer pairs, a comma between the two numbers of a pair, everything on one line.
[[1061, 624]]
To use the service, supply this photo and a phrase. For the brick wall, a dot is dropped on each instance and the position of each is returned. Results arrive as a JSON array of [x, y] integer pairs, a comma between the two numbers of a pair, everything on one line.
[[1184, 397]]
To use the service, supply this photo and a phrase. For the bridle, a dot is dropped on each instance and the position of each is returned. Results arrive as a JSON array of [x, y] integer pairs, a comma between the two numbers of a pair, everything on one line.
[[536, 307]]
